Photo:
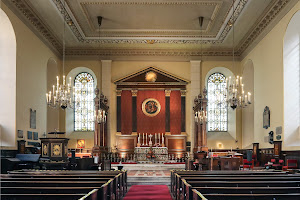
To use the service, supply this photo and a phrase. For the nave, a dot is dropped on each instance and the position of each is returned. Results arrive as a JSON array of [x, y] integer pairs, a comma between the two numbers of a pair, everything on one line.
[[150, 99]]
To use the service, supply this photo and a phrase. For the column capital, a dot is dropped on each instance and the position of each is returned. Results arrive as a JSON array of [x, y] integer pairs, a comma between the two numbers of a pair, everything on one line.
[[106, 61], [167, 93], [134, 93], [182, 92], [119, 92], [195, 61]]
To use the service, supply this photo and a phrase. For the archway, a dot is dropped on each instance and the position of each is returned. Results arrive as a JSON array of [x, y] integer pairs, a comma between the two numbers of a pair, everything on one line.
[[291, 60], [7, 82]]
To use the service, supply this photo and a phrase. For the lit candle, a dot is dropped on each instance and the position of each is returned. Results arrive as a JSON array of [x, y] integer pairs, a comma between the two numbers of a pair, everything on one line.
[[53, 87], [64, 80], [162, 139], [69, 88], [146, 138], [47, 97], [249, 97], [155, 138], [57, 81], [143, 138], [158, 138]]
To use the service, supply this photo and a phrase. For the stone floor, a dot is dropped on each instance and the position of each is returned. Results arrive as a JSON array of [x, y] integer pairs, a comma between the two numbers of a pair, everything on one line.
[[148, 173]]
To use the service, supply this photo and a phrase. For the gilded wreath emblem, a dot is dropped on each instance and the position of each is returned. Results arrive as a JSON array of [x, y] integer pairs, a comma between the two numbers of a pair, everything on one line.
[[151, 107]]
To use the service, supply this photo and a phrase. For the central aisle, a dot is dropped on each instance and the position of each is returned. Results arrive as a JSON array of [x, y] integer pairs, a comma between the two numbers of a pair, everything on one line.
[[144, 192]]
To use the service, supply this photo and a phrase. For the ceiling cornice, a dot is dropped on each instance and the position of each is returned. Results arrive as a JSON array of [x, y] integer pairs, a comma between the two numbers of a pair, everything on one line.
[[262, 23], [41, 27], [145, 52], [49, 36]]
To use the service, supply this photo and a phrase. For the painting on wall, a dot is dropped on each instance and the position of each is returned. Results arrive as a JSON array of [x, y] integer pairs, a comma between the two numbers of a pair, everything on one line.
[[29, 135], [81, 143], [20, 134], [32, 119], [35, 135]]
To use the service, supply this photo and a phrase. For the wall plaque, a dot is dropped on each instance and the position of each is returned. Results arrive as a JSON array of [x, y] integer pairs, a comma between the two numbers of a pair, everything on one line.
[[151, 107], [32, 119], [266, 118]]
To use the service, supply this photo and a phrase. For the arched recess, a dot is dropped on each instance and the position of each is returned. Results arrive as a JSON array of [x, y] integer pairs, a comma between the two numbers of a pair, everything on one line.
[[223, 139], [52, 114], [69, 121], [248, 112], [7, 82], [291, 60]]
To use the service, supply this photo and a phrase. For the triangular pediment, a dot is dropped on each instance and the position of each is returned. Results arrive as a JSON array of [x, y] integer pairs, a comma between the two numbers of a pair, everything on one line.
[[139, 77]]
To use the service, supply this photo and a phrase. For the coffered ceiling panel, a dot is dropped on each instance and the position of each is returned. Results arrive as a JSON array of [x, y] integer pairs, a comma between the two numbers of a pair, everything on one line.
[[150, 27]]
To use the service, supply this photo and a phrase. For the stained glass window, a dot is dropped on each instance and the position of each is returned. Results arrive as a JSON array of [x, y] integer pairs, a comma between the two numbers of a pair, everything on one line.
[[217, 106], [84, 110]]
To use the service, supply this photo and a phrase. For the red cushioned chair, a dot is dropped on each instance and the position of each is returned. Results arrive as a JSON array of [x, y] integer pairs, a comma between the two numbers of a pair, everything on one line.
[[248, 164], [272, 161], [290, 164], [278, 165]]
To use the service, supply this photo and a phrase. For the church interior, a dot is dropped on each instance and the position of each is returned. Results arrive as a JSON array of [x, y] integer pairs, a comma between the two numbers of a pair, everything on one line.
[[150, 99]]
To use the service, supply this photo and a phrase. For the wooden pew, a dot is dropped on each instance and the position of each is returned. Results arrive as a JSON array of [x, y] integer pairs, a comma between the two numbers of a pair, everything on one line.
[[110, 186], [196, 195], [119, 183], [122, 179], [191, 173], [183, 185]]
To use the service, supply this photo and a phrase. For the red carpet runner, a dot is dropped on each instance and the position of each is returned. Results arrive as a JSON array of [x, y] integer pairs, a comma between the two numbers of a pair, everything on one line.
[[144, 192]]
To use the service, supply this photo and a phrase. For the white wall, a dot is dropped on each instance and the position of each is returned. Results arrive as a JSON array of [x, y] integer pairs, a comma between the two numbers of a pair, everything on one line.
[[52, 114], [248, 112], [267, 57]]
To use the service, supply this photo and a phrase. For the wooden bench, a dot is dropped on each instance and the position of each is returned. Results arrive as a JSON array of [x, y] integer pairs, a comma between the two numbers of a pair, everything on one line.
[[43, 184], [122, 179], [236, 185]]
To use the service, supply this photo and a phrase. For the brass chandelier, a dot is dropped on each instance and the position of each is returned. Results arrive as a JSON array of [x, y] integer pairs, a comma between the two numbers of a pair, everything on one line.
[[62, 95]]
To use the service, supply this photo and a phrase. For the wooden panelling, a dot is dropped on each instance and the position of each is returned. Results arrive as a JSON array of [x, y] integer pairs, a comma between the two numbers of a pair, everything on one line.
[[176, 144], [175, 112]]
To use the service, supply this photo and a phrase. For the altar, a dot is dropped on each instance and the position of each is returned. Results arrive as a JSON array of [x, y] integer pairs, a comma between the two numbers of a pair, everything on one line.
[[160, 153]]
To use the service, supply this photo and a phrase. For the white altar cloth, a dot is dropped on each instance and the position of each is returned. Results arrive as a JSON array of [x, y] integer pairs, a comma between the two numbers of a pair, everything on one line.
[[160, 153]]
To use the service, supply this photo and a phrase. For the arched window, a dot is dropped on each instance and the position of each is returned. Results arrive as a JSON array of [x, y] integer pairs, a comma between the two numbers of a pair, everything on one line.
[[84, 111], [216, 107]]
